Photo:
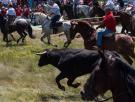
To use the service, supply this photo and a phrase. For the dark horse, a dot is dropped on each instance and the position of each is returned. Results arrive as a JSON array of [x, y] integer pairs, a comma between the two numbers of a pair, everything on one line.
[[97, 10], [113, 74], [22, 26], [120, 43], [127, 22]]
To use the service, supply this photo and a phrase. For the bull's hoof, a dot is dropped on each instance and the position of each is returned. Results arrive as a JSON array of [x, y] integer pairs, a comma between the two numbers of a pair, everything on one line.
[[76, 85]]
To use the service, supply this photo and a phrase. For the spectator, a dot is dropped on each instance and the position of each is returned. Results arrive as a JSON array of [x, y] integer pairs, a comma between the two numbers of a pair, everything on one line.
[[18, 11], [14, 3], [26, 11], [39, 8], [68, 7], [5, 2]]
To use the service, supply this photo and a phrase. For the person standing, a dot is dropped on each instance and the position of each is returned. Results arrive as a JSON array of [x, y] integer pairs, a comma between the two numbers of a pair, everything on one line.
[[26, 11], [19, 11], [68, 7]]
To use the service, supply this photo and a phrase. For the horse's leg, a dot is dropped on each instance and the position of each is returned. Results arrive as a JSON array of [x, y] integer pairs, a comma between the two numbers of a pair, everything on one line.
[[48, 39], [21, 36], [70, 82], [24, 36], [67, 43], [12, 37], [129, 60], [123, 29], [58, 78]]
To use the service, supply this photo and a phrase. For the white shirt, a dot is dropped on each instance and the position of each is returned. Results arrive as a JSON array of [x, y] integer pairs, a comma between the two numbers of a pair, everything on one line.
[[11, 11], [55, 9]]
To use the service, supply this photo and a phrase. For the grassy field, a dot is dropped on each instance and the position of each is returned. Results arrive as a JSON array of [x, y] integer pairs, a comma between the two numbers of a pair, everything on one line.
[[21, 80]]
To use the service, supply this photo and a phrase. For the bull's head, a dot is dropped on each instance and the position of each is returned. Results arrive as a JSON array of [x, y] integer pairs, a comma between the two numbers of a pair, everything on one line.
[[44, 58]]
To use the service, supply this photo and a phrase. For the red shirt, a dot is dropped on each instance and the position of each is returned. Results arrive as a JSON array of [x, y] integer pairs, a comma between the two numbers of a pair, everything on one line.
[[18, 11], [26, 12], [109, 21]]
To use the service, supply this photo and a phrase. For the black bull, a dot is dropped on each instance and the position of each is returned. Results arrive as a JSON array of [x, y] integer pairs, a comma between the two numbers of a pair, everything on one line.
[[71, 62]]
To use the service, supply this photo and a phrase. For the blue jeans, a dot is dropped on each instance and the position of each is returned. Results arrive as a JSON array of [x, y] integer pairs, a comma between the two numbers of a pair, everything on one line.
[[54, 19], [100, 36]]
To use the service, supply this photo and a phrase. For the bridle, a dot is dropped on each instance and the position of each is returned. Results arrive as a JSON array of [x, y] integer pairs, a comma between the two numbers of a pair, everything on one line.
[[129, 91]]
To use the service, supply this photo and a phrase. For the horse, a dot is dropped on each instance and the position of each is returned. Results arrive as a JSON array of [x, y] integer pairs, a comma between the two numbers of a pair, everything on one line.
[[127, 25], [44, 20], [119, 43], [97, 10], [21, 25], [113, 74], [37, 18]]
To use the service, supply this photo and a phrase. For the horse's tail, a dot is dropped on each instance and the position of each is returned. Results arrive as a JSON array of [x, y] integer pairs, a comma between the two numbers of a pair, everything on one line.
[[133, 38], [30, 32]]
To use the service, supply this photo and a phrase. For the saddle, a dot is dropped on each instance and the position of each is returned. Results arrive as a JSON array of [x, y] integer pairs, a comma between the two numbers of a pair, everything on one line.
[[58, 24], [108, 41]]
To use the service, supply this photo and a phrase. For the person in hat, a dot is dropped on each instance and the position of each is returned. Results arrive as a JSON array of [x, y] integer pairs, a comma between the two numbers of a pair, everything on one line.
[[109, 23]]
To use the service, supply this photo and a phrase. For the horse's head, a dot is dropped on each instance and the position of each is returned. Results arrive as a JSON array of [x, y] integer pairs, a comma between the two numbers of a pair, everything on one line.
[[102, 77], [82, 27]]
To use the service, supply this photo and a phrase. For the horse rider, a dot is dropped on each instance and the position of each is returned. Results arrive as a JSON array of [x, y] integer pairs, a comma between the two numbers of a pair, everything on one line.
[[109, 23], [11, 13], [55, 14]]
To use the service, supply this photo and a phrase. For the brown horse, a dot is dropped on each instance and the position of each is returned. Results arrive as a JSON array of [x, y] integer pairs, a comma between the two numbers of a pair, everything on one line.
[[121, 43], [113, 74]]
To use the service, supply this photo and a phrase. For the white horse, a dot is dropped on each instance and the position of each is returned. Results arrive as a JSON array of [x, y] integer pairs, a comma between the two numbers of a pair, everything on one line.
[[37, 18], [45, 21], [46, 31]]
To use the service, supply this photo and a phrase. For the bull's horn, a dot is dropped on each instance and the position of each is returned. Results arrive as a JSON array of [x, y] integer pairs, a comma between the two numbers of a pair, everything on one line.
[[41, 53]]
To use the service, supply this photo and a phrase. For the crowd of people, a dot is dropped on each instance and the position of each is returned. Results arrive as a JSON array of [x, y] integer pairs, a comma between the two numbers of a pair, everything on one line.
[[12, 10]]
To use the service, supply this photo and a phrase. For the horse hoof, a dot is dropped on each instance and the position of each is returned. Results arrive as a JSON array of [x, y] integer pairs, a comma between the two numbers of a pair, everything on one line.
[[55, 45], [76, 85], [62, 88]]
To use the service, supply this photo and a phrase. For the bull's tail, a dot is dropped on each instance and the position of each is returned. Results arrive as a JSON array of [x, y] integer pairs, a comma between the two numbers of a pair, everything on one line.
[[30, 32]]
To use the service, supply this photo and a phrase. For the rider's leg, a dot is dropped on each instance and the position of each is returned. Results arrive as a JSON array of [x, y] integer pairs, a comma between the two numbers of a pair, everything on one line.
[[100, 36], [54, 20], [99, 39]]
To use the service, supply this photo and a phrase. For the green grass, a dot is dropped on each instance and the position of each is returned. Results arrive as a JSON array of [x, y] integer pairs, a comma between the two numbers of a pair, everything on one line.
[[21, 80]]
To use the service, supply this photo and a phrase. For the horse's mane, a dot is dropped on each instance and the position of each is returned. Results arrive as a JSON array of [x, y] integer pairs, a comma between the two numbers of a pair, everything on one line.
[[39, 13], [129, 74], [126, 14], [86, 24]]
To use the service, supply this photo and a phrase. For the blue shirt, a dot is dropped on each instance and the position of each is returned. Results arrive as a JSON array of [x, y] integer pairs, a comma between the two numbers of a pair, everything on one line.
[[11, 11]]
